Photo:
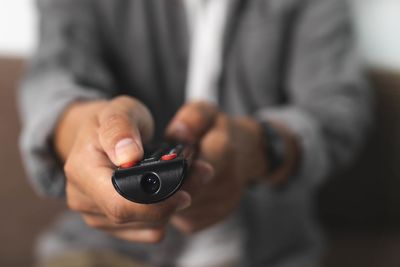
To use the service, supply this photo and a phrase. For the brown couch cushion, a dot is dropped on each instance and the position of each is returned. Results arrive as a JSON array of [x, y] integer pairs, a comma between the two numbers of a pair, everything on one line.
[[23, 214], [367, 196]]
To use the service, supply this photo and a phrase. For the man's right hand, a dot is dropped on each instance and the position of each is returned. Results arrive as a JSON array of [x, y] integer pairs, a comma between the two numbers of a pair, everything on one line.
[[93, 138]]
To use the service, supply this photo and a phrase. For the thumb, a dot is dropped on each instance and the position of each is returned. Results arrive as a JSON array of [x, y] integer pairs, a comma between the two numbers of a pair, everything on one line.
[[192, 121], [123, 126]]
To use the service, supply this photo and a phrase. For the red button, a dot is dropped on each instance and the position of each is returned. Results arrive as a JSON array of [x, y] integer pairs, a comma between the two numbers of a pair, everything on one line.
[[128, 165], [169, 157]]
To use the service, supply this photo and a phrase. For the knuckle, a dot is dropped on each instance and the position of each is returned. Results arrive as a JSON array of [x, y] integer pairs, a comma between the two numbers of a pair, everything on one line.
[[117, 214], [113, 126], [209, 112], [123, 99], [117, 219], [162, 214], [111, 120], [216, 144], [155, 216], [72, 167], [189, 229], [198, 116], [93, 223], [186, 225], [69, 168], [156, 236], [224, 142], [74, 204]]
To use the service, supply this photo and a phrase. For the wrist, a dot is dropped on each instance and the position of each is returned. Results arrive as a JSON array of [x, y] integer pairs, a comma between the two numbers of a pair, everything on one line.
[[282, 152], [253, 153]]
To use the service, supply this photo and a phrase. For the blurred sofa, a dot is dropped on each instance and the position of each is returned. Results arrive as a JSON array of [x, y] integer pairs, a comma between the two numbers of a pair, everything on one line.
[[360, 208], [23, 214], [366, 197]]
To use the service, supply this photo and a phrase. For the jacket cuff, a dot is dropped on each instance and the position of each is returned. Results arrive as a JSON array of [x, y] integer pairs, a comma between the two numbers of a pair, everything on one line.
[[314, 165]]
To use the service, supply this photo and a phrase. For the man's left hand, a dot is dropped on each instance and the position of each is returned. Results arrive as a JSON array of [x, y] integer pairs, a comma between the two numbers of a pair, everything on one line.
[[232, 152]]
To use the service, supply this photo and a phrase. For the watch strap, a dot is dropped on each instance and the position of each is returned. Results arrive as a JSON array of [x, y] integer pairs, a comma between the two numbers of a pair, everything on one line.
[[275, 146]]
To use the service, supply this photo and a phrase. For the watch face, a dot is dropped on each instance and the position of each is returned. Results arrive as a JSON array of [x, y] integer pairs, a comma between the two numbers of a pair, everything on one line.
[[275, 147]]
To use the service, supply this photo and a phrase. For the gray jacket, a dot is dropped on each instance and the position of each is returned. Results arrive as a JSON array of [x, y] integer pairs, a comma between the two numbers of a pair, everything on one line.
[[290, 60]]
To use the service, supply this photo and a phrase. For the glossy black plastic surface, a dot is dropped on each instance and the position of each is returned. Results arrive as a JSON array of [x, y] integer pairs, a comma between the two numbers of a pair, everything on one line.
[[153, 179]]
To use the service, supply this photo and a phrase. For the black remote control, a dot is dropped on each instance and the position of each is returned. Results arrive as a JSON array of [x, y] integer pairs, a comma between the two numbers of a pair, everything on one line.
[[158, 176]]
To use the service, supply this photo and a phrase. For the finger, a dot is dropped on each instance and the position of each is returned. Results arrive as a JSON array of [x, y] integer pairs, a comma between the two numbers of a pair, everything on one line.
[[120, 210], [123, 125], [202, 215], [77, 201], [143, 236], [190, 226], [101, 222], [201, 174], [195, 224], [192, 121], [216, 146]]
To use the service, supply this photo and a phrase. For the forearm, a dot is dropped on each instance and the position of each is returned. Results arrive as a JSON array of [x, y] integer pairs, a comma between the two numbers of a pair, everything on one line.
[[71, 121]]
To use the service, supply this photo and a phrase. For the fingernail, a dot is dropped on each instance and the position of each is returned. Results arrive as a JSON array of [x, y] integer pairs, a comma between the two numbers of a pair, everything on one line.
[[185, 201], [124, 150], [128, 165]]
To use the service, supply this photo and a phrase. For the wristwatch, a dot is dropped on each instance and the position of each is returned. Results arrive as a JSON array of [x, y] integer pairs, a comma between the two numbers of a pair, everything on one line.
[[275, 146]]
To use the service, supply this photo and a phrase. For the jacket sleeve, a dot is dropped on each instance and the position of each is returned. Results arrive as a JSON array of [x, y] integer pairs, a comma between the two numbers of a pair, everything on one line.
[[67, 66], [329, 101]]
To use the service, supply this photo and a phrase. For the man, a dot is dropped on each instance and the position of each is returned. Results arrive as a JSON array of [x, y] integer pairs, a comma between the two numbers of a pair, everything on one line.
[[275, 102]]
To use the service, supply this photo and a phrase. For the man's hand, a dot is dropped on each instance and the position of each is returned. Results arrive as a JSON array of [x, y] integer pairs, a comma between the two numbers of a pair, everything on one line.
[[93, 138], [233, 149]]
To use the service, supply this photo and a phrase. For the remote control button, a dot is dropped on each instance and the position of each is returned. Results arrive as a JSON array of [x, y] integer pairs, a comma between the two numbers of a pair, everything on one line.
[[169, 157], [128, 165]]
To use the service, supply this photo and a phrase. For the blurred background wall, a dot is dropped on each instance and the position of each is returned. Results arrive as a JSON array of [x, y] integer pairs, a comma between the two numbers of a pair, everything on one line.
[[359, 208], [378, 28], [377, 23], [18, 20], [23, 215]]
